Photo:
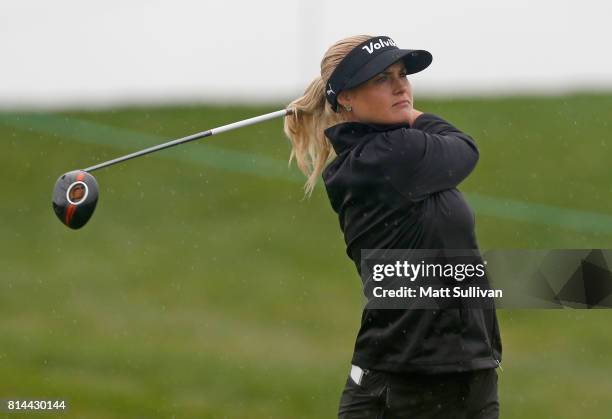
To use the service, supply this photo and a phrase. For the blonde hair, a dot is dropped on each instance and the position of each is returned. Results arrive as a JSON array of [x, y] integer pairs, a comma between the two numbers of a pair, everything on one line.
[[312, 114]]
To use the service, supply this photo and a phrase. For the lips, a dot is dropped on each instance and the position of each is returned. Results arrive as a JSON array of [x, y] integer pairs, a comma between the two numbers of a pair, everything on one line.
[[402, 102]]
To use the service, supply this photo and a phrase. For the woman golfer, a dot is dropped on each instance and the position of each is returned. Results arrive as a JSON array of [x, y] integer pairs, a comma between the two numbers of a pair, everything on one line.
[[392, 181]]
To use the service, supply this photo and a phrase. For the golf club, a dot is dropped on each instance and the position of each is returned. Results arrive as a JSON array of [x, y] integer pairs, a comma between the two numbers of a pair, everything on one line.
[[76, 193]]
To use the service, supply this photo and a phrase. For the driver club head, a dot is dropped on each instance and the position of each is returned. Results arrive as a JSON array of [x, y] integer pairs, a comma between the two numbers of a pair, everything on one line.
[[74, 198]]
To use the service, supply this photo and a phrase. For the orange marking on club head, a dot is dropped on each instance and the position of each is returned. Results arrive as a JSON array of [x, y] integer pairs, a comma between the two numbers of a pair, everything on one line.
[[70, 213]]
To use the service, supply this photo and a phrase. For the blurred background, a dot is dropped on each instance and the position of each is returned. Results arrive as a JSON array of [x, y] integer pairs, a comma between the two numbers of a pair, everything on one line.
[[205, 285]]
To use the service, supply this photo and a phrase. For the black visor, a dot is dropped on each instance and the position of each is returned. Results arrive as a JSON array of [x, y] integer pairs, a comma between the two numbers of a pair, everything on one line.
[[369, 59]]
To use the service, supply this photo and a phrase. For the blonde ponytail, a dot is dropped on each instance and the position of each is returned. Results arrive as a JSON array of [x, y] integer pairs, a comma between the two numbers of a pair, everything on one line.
[[313, 114]]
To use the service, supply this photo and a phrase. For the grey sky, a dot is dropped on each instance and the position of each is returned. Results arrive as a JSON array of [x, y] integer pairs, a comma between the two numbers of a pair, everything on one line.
[[79, 52]]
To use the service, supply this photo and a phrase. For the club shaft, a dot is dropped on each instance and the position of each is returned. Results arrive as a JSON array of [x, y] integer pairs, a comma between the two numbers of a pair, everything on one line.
[[192, 137]]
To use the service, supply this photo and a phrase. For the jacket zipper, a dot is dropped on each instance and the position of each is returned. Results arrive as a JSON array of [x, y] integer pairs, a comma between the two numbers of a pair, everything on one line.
[[493, 339]]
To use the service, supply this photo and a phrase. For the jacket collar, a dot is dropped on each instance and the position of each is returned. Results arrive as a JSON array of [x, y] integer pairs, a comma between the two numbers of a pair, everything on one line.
[[347, 135]]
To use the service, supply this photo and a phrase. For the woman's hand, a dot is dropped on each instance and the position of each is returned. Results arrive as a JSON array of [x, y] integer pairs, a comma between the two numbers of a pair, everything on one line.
[[414, 114]]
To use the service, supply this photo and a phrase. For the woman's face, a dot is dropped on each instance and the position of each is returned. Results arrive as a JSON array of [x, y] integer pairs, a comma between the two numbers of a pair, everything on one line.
[[384, 99]]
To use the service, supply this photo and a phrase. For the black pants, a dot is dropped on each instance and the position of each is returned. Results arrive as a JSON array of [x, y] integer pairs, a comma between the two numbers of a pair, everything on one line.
[[383, 395]]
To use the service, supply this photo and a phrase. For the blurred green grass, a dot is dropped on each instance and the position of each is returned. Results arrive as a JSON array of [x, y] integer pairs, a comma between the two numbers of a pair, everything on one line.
[[206, 287]]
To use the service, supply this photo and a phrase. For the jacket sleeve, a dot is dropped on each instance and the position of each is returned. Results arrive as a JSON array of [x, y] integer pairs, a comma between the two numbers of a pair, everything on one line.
[[429, 157]]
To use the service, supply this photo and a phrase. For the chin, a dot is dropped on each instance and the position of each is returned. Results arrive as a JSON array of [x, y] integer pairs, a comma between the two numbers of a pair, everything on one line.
[[400, 116], [394, 116]]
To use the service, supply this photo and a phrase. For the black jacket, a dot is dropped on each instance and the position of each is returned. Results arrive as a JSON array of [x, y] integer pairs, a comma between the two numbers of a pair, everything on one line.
[[394, 187]]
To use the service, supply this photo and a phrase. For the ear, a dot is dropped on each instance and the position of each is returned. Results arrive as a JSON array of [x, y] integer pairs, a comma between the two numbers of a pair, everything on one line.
[[344, 98]]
